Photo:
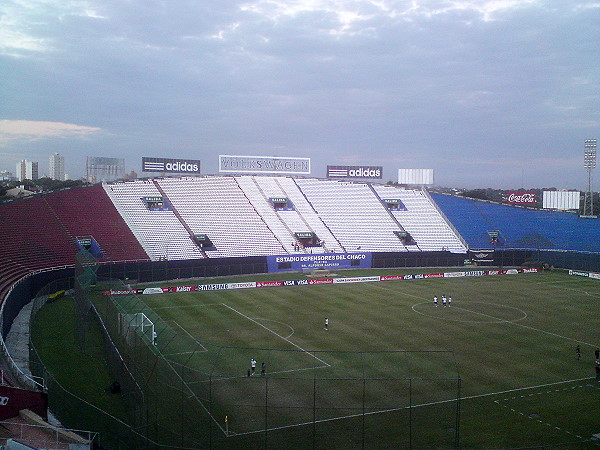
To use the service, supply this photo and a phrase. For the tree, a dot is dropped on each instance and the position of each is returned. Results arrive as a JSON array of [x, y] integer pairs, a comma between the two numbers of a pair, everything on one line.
[[476, 193]]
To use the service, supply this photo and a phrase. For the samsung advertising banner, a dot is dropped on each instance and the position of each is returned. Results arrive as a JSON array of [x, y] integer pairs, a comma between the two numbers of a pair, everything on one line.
[[355, 172], [166, 165], [298, 263], [264, 164]]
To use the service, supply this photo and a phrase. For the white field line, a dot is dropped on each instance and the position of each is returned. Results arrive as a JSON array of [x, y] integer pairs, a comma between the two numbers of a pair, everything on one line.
[[407, 407], [500, 320], [276, 334], [502, 403], [528, 327], [204, 349]]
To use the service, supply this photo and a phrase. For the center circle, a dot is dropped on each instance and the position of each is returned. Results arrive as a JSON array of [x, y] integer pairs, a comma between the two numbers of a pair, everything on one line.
[[470, 311]]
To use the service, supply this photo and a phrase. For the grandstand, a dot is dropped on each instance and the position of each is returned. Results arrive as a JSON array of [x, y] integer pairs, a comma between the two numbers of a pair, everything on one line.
[[165, 228], [519, 228], [214, 217], [238, 216]]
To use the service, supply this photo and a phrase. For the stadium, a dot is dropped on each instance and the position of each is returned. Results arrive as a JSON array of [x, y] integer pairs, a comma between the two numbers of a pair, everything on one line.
[[188, 279]]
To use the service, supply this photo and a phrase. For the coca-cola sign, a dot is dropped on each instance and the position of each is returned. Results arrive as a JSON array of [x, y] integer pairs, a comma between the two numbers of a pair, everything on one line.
[[520, 198]]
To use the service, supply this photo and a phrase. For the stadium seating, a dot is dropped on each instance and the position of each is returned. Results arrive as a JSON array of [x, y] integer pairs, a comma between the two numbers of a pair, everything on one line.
[[39, 233], [238, 217], [160, 233], [218, 208], [425, 223], [519, 228], [350, 211], [308, 214]]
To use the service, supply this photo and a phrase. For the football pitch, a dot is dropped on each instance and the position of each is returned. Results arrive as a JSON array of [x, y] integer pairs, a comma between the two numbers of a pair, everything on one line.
[[496, 368]]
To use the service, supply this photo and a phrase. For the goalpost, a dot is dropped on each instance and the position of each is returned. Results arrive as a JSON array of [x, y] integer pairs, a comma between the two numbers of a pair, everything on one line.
[[137, 324]]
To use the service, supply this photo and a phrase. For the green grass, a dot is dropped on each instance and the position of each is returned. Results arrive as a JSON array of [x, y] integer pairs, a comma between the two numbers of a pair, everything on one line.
[[83, 374], [511, 339]]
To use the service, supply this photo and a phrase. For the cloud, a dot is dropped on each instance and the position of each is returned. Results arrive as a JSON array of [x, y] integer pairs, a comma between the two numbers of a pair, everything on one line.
[[28, 130], [25, 24], [343, 17]]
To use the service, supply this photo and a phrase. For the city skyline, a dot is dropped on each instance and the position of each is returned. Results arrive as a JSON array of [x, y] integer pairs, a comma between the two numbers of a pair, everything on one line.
[[488, 93]]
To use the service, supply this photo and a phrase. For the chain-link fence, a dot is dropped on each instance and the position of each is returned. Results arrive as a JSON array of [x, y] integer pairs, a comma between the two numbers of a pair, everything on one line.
[[194, 394]]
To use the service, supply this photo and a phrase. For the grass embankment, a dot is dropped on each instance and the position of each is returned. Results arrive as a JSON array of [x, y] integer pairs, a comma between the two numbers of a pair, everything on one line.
[[81, 372]]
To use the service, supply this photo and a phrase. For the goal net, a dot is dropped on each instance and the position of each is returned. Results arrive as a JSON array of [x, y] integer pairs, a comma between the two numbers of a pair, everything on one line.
[[137, 328]]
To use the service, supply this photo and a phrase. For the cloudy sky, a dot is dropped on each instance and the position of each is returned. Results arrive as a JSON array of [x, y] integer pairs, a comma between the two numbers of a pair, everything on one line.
[[489, 93]]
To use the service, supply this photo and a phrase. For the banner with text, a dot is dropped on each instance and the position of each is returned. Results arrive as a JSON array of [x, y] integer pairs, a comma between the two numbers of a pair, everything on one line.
[[167, 165], [297, 263], [521, 198], [264, 164], [355, 172], [367, 279]]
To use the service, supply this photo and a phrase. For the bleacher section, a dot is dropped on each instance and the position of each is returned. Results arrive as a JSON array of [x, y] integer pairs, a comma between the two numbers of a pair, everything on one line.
[[90, 212], [285, 223], [237, 214], [354, 215], [39, 233], [425, 223], [161, 233], [519, 227], [308, 214], [218, 208], [230, 216]]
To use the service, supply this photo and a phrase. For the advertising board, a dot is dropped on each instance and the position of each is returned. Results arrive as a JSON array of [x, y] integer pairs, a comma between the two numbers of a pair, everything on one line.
[[419, 177], [344, 280], [285, 263], [355, 172], [264, 164], [563, 200], [525, 198], [167, 165]]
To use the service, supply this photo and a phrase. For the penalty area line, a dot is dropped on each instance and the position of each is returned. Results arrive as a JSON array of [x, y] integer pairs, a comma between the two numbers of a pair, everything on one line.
[[537, 330], [204, 349], [276, 334]]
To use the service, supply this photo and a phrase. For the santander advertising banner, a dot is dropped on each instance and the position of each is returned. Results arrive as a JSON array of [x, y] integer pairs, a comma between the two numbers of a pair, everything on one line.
[[521, 198]]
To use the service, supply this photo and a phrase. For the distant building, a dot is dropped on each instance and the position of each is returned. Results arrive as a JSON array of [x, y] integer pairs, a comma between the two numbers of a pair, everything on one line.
[[130, 176], [27, 170], [5, 175], [19, 192], [57, 167]]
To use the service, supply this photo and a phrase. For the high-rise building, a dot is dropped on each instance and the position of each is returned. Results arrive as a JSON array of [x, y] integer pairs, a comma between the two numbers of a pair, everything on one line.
[[27, 170], [57, 167]]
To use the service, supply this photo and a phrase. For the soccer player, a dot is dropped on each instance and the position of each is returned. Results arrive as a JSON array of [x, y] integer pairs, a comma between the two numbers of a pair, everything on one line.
[[449, 300], [252, 365], [326, 324], [263, 369], [444, 300], [578, 350], [435, 300]]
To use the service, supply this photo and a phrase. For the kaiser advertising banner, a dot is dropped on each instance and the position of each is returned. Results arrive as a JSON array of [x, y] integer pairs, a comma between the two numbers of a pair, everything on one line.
[[337, 280], [296, 263]]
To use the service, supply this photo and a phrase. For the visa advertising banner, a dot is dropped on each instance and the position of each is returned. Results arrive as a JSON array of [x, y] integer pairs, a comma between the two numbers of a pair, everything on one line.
[[337, 280], [285, 263]]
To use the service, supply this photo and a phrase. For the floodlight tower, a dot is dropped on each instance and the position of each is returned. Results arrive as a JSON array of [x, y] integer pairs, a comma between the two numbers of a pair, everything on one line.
[[589, 162]]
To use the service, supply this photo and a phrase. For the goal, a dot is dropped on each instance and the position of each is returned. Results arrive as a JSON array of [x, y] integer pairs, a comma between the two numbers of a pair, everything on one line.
[[137, 326]]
